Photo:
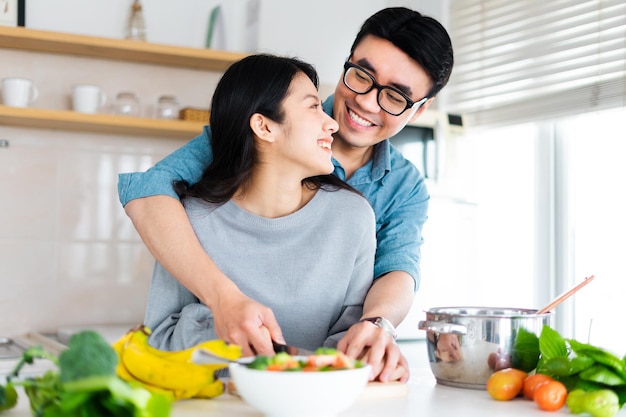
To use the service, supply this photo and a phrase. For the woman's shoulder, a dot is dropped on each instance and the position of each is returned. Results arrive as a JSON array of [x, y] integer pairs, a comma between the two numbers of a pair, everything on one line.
[[349, 202], [198, 208]]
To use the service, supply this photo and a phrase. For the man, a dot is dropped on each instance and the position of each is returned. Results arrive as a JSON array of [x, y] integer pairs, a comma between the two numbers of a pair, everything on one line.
[[398, 62]]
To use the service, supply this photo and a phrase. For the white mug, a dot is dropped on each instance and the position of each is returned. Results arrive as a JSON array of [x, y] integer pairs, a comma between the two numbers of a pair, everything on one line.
[[87, 98], [18, 92]]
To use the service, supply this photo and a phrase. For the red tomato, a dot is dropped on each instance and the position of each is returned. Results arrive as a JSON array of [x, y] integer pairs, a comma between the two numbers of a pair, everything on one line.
[[506, 384], [532, 382], [551, 396]]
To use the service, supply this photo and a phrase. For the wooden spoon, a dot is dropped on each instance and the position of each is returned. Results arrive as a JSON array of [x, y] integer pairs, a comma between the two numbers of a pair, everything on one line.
[[565, 295]]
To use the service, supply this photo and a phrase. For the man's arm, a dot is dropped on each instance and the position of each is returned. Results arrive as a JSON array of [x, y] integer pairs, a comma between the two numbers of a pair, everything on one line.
[[391, 297], [399, 238], [186, 163]]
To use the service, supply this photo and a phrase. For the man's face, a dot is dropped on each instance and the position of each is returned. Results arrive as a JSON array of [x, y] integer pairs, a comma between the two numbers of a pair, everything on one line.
[[362, 123]]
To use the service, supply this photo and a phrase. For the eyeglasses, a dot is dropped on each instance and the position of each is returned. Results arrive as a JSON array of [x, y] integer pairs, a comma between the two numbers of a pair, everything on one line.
[[390, 99]]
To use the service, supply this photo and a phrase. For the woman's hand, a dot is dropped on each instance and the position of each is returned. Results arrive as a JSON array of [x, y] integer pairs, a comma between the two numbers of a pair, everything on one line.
[[368, 342], [240, 320]]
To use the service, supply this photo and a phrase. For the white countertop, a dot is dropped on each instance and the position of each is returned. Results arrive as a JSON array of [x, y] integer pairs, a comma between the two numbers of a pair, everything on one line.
[[423, 397]]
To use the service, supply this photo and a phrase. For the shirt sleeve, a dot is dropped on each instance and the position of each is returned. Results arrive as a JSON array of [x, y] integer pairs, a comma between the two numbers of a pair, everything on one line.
[[399, 233], [186, 163]]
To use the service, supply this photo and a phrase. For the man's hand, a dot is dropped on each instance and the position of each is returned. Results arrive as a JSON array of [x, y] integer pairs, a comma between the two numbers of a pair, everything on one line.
[[391, 297], [366, 341]]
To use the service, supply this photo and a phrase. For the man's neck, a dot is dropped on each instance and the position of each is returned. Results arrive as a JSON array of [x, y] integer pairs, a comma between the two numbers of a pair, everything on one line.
[[352, 158]]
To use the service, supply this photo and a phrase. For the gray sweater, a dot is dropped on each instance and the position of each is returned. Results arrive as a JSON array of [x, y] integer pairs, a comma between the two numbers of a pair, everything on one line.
[[313, 268]]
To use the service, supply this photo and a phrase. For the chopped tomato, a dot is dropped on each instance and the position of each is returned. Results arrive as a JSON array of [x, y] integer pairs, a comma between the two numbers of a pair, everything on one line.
[[320, 361], [343, 361], [324, 359]]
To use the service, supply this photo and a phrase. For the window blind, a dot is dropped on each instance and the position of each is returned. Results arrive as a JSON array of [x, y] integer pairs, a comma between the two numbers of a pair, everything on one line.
[[518, 61]]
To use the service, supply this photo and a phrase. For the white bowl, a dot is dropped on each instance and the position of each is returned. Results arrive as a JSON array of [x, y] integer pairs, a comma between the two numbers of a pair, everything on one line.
[[301, 394]]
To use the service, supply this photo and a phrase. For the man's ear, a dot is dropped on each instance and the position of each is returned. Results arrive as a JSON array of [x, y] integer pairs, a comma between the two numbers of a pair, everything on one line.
[[421, 110], [261, 127]]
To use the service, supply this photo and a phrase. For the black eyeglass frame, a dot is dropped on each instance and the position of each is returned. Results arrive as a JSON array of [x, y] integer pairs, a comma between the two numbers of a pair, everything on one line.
[[409, 103]]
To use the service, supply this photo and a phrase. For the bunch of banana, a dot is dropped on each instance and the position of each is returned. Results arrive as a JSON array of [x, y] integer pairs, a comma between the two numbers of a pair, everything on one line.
[[171, 373]]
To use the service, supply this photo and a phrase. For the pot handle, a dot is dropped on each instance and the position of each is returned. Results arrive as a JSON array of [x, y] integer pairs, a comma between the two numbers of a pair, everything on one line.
[[442, 327]]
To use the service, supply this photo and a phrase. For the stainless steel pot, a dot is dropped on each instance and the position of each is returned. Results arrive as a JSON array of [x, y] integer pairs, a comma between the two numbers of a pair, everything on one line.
[[467, 344]]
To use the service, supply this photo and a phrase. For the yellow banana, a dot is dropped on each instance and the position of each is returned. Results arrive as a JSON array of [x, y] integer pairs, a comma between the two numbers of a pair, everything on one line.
[[171, 371], [221, 348], [171, 394], [211, 390], [119, 344], [137, 339], [118, 347], [145, 366]]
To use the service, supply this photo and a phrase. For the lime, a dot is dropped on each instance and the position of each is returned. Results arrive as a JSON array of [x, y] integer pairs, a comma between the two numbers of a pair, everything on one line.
[[10, 397]]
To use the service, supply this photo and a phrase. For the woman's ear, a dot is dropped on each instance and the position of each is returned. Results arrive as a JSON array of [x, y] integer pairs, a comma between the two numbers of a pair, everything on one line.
[[261, 127]]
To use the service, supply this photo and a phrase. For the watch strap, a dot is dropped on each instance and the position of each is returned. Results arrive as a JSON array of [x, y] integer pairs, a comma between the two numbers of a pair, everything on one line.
[[384, 324]]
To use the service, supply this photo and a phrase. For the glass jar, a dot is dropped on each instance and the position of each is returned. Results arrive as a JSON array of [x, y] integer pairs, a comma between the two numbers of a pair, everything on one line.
[[167, 107], [127, 104], [136, 29]]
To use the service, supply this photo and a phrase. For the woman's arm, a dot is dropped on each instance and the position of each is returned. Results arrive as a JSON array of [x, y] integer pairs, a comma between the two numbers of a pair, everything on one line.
[[162, 223], [165, 229]]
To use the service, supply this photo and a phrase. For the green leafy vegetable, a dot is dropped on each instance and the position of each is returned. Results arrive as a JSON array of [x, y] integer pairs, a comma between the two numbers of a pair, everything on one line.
[[551, 344], [584, 367], [526, 351], [86, 384], [602, 375], [600, 356]]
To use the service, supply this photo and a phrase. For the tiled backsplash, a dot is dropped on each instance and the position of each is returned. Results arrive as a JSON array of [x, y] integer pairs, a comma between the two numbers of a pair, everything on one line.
[[69, 255], [68, 252]]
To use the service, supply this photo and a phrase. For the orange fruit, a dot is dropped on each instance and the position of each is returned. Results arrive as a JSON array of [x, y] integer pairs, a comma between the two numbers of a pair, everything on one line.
[[506, 384], [520, 373], [551, 396], [532, 382]]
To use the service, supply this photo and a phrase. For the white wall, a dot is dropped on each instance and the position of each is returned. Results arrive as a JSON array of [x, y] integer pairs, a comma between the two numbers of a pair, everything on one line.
[[68, 253], [319, 32]]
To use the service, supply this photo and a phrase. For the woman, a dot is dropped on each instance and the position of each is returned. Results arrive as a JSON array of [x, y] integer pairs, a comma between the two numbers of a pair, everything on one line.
[[289, 235]]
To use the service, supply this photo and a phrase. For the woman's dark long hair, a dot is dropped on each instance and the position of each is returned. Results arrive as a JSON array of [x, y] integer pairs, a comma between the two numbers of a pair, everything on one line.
[[256, 84]]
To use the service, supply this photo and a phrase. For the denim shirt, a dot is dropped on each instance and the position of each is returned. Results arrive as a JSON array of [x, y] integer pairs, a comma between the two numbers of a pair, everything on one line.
[[393, 186]]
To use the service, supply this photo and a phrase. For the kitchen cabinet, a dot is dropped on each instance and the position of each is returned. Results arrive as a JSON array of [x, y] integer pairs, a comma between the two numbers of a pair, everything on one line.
[[111, 49]]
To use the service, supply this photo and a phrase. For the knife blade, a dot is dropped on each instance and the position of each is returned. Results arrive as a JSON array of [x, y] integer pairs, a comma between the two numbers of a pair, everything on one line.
[[203, 356], [292, 350]]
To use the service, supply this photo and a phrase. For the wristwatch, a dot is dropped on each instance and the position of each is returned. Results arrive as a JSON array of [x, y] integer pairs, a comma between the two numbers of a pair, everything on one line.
[[384, 324]]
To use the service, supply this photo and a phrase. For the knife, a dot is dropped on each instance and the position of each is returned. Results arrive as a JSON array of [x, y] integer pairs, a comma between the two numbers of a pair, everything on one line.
[[292, 350], [204, 356]]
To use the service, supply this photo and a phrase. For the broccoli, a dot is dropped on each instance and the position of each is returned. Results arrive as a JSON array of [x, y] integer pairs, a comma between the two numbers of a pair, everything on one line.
[[88, 355], [86, 384]]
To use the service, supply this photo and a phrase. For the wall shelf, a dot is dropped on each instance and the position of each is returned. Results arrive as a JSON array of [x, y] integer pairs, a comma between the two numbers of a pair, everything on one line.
[[99, 123], [115, 49], [25, 39]]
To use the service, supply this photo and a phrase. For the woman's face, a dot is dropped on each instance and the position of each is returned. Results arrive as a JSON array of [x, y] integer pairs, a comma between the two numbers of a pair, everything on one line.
[[305, 136]]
